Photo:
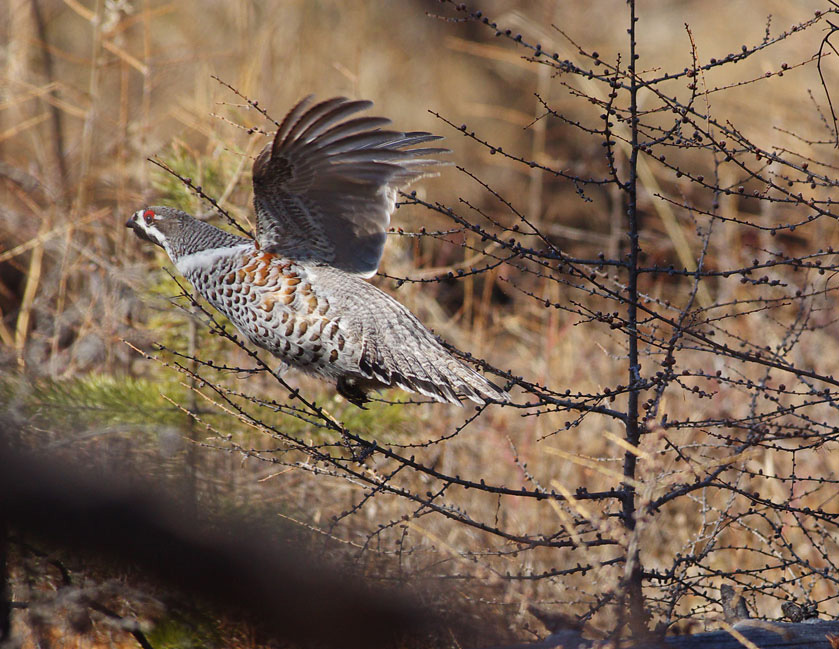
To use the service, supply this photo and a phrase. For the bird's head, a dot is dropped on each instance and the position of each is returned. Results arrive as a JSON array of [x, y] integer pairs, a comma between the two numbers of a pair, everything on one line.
[[160, 225]]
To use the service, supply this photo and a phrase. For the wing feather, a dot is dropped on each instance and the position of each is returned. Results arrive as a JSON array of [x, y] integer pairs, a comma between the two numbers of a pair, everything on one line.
[[325, 188], [292, 117]]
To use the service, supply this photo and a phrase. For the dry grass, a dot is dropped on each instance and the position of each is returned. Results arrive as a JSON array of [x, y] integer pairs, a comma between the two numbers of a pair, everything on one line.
[[128, 81]]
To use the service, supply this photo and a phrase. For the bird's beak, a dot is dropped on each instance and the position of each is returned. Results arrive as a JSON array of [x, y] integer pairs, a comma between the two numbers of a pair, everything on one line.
[[132, 223]]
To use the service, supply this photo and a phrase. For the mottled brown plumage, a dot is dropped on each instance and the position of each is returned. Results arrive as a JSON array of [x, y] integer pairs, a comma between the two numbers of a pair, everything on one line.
[[324, 190]]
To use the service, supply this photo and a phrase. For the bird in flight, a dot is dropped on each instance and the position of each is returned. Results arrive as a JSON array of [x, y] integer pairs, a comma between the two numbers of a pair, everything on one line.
[[324, 190]]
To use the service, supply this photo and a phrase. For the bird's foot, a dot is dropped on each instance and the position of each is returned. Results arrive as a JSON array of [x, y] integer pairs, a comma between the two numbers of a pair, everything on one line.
[[349, 388]]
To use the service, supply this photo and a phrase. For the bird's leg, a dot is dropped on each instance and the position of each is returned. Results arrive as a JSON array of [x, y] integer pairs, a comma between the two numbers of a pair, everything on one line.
[[349, 388]]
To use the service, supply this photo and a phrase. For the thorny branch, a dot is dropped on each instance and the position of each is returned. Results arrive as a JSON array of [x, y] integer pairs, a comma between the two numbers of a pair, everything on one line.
[[686, 439]]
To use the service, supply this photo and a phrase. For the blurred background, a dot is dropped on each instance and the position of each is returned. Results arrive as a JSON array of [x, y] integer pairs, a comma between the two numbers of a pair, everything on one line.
[[91, 89]]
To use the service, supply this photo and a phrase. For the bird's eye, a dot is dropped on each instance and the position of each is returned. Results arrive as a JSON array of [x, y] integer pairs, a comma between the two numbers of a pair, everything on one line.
[[148, 216]]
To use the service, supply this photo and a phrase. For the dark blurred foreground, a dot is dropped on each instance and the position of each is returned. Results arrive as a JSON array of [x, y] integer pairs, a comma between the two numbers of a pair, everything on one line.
[[281, 588]]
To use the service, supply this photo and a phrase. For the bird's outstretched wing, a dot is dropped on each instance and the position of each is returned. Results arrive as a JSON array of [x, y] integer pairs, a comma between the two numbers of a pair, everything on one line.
[[325, 187]]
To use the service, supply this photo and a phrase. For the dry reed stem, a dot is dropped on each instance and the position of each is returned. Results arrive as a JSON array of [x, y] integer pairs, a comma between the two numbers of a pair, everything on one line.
[[23, 126], [33, 279]]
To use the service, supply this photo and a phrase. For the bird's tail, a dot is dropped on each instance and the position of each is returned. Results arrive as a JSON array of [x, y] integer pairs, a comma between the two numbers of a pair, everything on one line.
[[405, 354], [433, 372]]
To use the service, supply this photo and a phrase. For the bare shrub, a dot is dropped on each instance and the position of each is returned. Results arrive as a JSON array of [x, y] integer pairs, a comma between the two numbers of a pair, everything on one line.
[[639, 498], [659, 300]]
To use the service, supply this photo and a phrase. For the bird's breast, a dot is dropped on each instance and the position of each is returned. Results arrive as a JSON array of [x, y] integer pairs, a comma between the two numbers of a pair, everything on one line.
[[276, 303]]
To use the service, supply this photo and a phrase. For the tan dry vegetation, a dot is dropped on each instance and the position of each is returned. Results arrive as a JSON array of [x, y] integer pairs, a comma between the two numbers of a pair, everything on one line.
[[132, 80]]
